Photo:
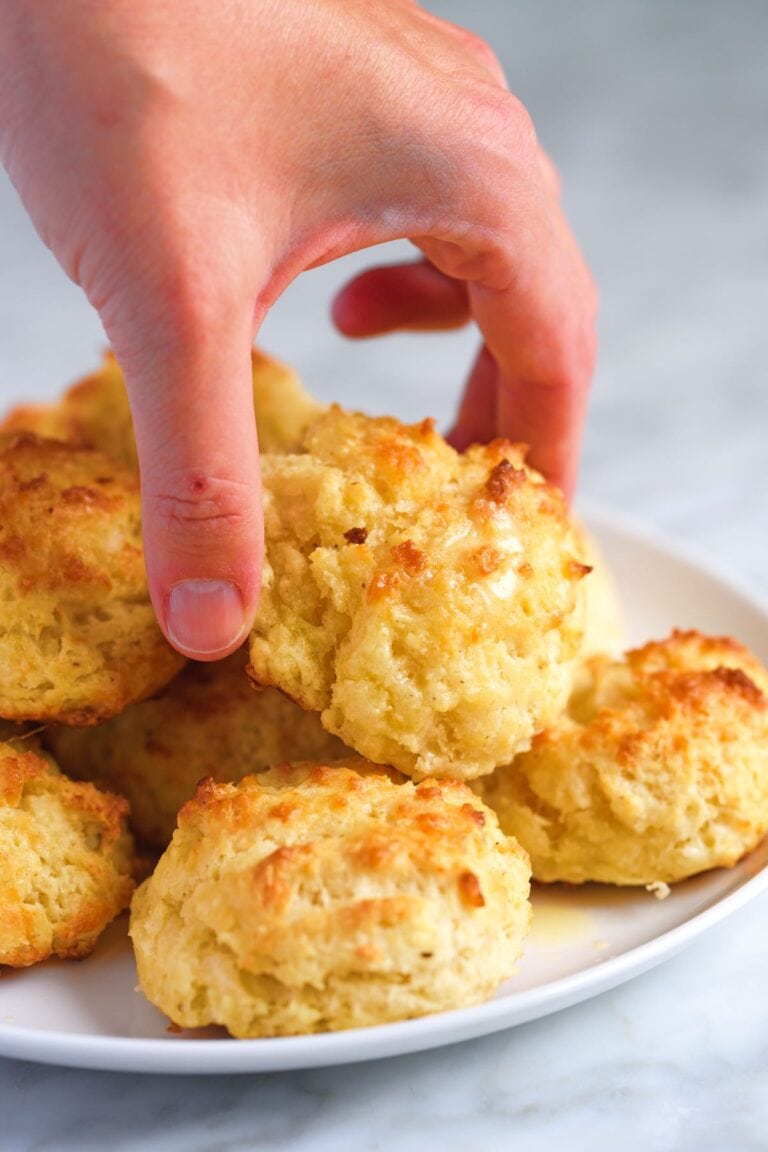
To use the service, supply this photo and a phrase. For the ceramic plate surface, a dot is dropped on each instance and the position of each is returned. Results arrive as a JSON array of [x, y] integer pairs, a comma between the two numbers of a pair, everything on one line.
[[584, 940]]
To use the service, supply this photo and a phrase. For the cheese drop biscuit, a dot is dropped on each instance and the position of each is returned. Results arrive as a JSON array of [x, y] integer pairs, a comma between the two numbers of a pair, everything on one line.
[[312, 898], [65, 860], [78, 637], [427, 602], [658, 770]]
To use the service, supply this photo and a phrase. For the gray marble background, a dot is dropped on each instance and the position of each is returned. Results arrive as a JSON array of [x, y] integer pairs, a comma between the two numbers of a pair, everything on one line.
[[657, 115]]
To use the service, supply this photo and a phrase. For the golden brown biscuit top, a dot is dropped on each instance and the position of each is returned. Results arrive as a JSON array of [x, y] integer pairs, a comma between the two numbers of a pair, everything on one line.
[[687, 672], [369, 839], [68, 517], [690, 651], [309, 803], [22, 771], [17, 767], [412, 463], [410, 489]]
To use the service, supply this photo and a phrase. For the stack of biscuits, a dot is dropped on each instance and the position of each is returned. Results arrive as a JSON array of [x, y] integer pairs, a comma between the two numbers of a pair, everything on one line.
[[432, 710]]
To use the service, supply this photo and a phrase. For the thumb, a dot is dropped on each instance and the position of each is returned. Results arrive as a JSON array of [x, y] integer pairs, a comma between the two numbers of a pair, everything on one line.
[[188, 375]]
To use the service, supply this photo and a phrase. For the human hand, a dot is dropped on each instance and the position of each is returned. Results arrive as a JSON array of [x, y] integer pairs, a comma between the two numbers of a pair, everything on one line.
[[185, 161]]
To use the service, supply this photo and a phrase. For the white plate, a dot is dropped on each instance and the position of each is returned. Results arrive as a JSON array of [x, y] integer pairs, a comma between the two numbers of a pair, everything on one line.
[[584, 940]]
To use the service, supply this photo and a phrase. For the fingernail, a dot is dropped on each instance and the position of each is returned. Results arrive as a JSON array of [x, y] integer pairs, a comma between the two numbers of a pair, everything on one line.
[[205, 616]]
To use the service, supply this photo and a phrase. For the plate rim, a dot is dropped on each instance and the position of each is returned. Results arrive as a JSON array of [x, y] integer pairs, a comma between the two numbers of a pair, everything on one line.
[[228, 1055], [604, 515], [284, 1053]]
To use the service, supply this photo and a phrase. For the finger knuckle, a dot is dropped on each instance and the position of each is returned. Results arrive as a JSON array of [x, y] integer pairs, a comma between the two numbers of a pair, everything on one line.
[[567, 367], [497, 156], [480, 50], [173, 270], [506, 124], [578, 350]]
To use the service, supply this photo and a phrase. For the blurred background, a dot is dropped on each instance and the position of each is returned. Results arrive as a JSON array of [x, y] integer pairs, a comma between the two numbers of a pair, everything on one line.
[[656, 113]]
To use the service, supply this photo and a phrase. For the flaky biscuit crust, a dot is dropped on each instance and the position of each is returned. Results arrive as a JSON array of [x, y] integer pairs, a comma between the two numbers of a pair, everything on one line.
[[78, 637], [427, 602], [209, 721], [658, 771], [324, 897], [65, 860]]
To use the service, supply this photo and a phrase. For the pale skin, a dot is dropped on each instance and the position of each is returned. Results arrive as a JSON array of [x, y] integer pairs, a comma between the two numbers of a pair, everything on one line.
[[186, 160]]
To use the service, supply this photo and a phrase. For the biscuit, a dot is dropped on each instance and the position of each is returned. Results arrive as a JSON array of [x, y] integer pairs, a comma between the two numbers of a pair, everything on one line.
[[65, 860], [78, 637], [312, 898], [658, 771], [94, 413], [209, 721], [427, 602]]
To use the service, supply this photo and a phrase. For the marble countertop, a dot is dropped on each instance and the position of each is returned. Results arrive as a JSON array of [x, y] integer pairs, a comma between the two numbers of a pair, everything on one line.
[[656, 114]]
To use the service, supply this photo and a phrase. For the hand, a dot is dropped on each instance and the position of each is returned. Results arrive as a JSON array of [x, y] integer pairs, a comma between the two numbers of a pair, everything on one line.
[[186, 160]]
